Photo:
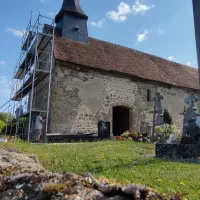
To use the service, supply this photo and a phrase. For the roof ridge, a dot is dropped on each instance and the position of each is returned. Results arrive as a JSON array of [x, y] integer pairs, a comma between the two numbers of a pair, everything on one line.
[[141, 52], [107, 56]]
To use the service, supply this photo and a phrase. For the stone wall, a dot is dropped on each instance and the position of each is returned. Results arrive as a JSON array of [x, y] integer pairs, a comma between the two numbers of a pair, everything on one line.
[[41, 95], [81, 97]]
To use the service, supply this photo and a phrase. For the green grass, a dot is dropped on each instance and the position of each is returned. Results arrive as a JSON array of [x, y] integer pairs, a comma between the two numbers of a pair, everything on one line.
[[125, 162]]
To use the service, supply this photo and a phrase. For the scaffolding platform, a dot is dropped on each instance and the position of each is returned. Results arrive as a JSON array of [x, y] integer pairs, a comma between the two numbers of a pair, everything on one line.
[[23, 68], [43, 41], [34, 110], [27, 86], [28, 40]]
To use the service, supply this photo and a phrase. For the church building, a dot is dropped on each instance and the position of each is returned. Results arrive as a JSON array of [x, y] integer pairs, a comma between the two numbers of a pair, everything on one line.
[[95, 80]]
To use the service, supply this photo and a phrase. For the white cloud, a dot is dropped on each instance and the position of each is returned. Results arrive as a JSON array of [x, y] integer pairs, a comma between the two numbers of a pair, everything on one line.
[[143, 36], [51, 14], [171, 58], [139, 8], [161, 32], [2, 62], [121, 15], [16, 32], [188, 63], [98, 24]]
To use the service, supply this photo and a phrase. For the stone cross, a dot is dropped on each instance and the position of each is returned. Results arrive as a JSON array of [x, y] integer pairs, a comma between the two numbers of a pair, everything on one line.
[[158, 98], [191, 100], [157, 113], [190, 112]]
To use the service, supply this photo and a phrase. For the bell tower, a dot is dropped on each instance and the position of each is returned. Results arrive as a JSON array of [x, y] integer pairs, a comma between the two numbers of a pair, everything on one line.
[[71, 21]]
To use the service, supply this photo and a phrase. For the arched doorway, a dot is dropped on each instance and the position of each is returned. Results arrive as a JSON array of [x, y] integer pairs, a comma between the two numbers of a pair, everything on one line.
[[120, 120]]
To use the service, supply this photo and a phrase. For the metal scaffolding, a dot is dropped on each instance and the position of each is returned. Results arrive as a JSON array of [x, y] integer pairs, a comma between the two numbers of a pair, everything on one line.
[[32, 77]]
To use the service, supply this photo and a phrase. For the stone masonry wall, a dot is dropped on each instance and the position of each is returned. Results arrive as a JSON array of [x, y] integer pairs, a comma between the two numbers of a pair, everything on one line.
[[81, 97]]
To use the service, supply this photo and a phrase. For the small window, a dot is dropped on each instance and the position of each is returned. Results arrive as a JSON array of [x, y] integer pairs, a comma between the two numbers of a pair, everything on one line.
[[148, 95]]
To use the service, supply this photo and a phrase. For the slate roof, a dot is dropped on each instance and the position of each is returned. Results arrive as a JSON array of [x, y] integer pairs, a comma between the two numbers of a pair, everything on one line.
[[111, 57]]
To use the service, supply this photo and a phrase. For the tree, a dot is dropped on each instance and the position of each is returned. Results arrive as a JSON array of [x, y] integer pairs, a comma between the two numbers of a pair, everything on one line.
[[167, 119], [5, 116], [2, 125]]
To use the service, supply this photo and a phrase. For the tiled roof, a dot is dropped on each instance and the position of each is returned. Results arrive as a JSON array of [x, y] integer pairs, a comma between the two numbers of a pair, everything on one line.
[[110, 57]]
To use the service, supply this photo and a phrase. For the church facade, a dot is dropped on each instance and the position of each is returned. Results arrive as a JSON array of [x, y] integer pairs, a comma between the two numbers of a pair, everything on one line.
[[95, 80]]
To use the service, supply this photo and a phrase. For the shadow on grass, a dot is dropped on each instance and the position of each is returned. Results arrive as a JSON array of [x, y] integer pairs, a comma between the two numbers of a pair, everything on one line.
[[135, 163]]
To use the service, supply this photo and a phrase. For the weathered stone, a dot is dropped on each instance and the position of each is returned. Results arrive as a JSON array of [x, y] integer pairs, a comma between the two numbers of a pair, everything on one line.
[[100, 92], [22, 178]]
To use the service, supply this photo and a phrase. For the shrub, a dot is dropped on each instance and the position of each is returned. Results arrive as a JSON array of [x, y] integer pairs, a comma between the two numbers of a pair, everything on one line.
[[2, 125], [167, 119]]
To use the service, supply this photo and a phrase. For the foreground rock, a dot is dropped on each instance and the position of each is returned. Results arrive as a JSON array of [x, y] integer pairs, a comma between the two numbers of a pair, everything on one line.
[[23, 178]]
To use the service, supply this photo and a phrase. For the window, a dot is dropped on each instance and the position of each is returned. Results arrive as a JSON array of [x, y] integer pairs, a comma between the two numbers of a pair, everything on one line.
[[148, 95]]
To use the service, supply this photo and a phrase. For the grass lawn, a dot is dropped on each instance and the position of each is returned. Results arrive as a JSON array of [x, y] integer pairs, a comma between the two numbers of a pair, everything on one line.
[[123, 161]]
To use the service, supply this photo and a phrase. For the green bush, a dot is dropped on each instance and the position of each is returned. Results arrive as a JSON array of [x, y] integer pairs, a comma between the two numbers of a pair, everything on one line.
[[2, 125], [5, 117], [167, 119]]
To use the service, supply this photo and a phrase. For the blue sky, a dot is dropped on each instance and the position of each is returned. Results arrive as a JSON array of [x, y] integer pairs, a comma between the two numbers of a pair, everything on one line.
[[162, 28]]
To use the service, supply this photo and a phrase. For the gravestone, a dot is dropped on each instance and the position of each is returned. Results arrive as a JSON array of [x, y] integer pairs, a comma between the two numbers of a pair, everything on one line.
[[159, 118], [157, 112], [104, 129], [190, 112], [189, 148]]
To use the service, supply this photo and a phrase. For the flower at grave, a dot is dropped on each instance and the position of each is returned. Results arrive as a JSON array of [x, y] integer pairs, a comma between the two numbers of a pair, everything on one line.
[[126, 134], [134, 136], [182, 183], [164, 132], [118, 138]]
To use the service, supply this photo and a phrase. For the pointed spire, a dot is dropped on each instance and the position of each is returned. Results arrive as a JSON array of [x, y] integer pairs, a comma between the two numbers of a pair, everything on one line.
[[73, 7]]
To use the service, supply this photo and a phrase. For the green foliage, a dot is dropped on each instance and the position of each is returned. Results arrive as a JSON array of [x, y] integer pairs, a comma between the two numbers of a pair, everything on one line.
[[124, 161], [11, 126], [2, 125], [5, 117], [163, 132], [167, 119]]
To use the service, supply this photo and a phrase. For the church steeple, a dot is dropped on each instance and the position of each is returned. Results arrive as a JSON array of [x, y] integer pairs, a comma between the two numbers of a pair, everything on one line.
[[73, 7], [72, 21]]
